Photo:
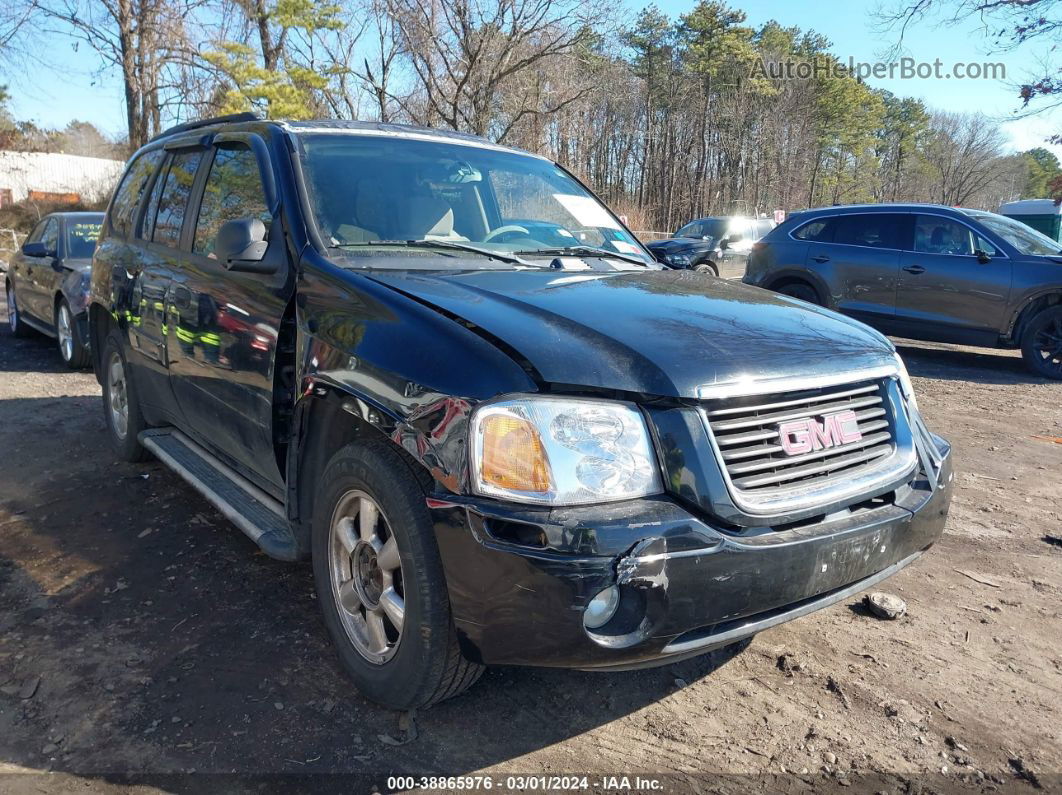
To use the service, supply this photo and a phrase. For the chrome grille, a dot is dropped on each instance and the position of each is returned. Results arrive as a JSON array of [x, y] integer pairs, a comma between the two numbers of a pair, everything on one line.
[[746, 435]]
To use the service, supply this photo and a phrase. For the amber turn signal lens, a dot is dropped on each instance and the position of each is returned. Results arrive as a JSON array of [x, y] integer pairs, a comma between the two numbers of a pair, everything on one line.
[[513, 456]]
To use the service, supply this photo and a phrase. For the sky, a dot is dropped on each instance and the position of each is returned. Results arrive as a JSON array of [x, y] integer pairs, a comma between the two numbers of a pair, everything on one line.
[[70, 86]]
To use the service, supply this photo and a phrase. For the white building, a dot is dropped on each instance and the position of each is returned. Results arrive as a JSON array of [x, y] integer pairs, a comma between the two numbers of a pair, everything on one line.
[[48, 176]]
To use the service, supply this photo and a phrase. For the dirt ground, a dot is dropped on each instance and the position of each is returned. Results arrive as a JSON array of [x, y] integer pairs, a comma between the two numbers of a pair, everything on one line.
[[144, 642]]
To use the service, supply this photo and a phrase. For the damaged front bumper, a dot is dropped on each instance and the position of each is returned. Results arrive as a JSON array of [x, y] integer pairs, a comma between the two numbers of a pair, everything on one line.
[[519, 579]]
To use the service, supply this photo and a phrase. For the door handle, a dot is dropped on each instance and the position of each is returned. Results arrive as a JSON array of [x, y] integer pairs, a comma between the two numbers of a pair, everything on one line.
[[821, 258], [915, 269]]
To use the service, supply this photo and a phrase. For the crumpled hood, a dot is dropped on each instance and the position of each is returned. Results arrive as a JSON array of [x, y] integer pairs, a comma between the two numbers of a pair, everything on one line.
[[678, 245], [656, 332]]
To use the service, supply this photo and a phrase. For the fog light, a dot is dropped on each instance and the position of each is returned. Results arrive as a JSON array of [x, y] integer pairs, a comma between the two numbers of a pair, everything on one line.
[[601, 608]]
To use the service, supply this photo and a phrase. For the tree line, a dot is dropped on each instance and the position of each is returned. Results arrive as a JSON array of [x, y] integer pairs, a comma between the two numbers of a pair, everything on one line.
[[667, 118]]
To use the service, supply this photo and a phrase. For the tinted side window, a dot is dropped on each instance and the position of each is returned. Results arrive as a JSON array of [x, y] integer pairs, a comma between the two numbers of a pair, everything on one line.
[[173, 201], [50, 238], [233, 190], [38, 231], [127, 199], [818, 231], [935, 234], [147, 221], [875, 230], [762, 228]]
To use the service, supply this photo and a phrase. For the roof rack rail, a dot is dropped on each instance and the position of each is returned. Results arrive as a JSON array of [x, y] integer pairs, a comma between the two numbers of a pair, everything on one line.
[[250, 115]]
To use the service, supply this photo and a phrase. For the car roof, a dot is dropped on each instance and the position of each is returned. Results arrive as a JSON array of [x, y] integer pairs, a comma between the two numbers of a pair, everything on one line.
[[892, 207], [252, 122]]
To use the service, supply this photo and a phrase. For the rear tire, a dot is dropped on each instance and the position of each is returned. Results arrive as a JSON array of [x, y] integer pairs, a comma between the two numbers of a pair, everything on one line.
[[380, 582], [801, 290], [121, 408], [68, 338], [1041, 343], [14, 319]]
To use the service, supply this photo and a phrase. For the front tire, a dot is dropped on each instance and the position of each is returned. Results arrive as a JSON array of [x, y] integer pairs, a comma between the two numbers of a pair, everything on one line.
[[380, 582], [68, 338], [707, 267], [121, 408], [1041, 343], [14, 319]]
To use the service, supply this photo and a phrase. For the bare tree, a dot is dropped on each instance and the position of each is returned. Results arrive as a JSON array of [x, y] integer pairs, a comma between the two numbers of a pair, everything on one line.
[[378, 76], [140, 38], [964, 154], [465, 53]]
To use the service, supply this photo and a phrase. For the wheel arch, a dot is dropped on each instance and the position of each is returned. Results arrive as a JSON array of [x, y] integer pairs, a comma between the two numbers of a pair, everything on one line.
[[325, 420], [1030, 307], [783, 278], [100, 324]]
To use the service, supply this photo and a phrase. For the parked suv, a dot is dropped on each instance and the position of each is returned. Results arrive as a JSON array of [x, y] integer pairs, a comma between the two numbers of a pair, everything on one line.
[[48, 279], [709, 244], [924, 271], [494, 450]]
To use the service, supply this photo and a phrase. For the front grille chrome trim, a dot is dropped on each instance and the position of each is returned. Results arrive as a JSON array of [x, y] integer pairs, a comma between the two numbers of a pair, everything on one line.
[[769, 386], [885, 458]]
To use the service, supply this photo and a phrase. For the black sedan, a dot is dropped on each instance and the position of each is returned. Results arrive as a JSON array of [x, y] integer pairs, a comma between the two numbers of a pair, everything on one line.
[[48, 280]]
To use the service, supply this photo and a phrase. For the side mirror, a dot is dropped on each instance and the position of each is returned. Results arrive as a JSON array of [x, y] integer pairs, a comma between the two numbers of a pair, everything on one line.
[[241, 245], [724, 244], [35, 249], [982, 256]]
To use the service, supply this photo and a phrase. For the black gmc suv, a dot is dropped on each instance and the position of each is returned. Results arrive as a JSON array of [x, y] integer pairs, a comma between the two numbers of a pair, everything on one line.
[[494, 449], [924, 271]]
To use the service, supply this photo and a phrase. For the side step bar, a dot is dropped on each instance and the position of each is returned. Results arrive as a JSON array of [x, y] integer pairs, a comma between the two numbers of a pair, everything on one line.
[[257, 514]]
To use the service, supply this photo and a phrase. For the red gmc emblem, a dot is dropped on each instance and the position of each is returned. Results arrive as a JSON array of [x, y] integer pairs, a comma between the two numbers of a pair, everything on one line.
[[807, 435]]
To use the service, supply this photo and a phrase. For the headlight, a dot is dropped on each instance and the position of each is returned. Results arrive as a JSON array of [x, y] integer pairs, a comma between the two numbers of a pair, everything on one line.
[[905, 383], [562, 451], [678, 260]]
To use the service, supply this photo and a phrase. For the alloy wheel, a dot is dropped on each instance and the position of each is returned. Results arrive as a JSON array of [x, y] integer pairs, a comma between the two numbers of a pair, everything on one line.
[[366, 575], [118, 396], [64, 327], [1048, 344]]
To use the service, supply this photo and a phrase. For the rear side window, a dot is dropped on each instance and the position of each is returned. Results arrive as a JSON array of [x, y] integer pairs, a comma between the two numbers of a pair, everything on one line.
[[818, 231], [762, 228], [873, 230], [127, 199], [233, 190], [173, 200]]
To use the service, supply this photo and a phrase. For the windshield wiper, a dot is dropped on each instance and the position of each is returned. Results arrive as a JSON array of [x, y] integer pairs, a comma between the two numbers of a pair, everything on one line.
[[450, 244], [585, 251]]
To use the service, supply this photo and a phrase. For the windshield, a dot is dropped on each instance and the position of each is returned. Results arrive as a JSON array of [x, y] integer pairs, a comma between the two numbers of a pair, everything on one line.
[[714, 228], [365, 189], [1024, 238], [81, 236]]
